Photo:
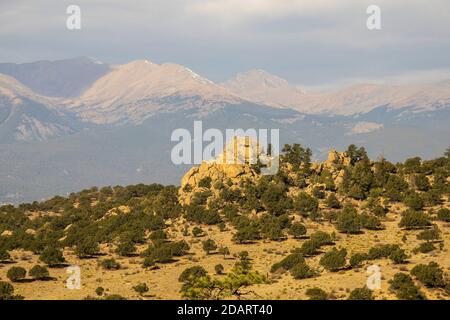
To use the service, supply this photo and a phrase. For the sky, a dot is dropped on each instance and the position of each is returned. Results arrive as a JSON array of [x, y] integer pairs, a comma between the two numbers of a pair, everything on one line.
[[314, 43]]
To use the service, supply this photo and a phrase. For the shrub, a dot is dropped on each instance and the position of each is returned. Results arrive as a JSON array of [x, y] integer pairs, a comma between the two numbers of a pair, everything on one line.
[[187, 188], [430, 275], [192, 273], [383, 251], [39, 272], [198, 214], [425, 247], [309, 248], [444, 214], [110, 264], [334, 259], [162, 254], [16, 274], [297, 230], [305, 204], [222, 226], [348, 220], [7, 292], [148, 262], [414, 220], [179, 248], [224, 251], [126, 249], [398, 256], [141, 288], [370, 222], [429, 235], [378, 210], [332, 202], [302, 271], [357, 259], [288, 262], [316, 294], [197, 232], [158, 235], [275, 200], [205, 182], [356, 192], [404, 288], [318, 193], [199, 199], [394, 187], [209, 245], [247, 233], [412, 165], [218, 268], [413, 201], [271, 228], [52, 256], [432, 197], [321, 238], [87, 249], [421, 182], [363, 293], [99, 291], [4, 255]]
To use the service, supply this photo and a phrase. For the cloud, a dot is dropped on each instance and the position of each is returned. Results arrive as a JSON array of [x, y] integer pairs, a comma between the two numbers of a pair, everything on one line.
[[311, 42]]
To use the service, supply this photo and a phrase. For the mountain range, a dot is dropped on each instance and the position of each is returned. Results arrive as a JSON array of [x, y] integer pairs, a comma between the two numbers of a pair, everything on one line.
[[71, 124]]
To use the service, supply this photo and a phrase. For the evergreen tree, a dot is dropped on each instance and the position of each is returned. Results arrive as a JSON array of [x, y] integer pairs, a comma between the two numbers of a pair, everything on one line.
[[334, 259], [348, 220]]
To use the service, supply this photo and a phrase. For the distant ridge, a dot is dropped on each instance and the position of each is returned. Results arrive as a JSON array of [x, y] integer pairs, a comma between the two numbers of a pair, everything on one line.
[[61, 78]]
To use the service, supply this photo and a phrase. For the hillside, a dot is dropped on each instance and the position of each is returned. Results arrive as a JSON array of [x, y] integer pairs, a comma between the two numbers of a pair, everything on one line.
[[309, 232]]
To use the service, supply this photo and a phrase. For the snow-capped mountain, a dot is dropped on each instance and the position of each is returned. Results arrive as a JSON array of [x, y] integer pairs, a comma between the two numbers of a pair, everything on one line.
[[363, 98], [135, 91], [262, 87]]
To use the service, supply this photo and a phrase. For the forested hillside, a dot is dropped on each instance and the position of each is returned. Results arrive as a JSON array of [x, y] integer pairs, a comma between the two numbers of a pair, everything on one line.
[[308, 232]]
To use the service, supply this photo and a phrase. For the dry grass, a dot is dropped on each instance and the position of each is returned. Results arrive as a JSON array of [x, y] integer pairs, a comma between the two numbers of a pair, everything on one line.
[[163, 282]]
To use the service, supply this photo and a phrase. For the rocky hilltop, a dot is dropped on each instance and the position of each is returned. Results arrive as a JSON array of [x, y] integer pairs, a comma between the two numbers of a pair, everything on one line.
[[230, 167], [210, 176]]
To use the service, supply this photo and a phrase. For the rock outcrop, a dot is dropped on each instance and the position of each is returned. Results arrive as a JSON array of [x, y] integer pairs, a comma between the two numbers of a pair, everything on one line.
[[335, 163], [221, 172], [230, 167]]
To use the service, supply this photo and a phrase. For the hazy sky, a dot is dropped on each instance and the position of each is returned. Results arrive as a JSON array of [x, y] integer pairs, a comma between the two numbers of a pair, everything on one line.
[[312, 43]]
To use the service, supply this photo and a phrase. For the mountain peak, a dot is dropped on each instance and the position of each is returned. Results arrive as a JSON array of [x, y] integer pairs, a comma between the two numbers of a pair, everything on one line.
[[261, 86], [258, 77], [137, 89]]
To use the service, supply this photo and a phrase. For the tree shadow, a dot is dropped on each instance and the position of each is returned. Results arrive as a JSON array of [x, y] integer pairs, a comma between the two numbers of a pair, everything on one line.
[[58, 265], [24, 281], [131, 255], [46, 279]]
